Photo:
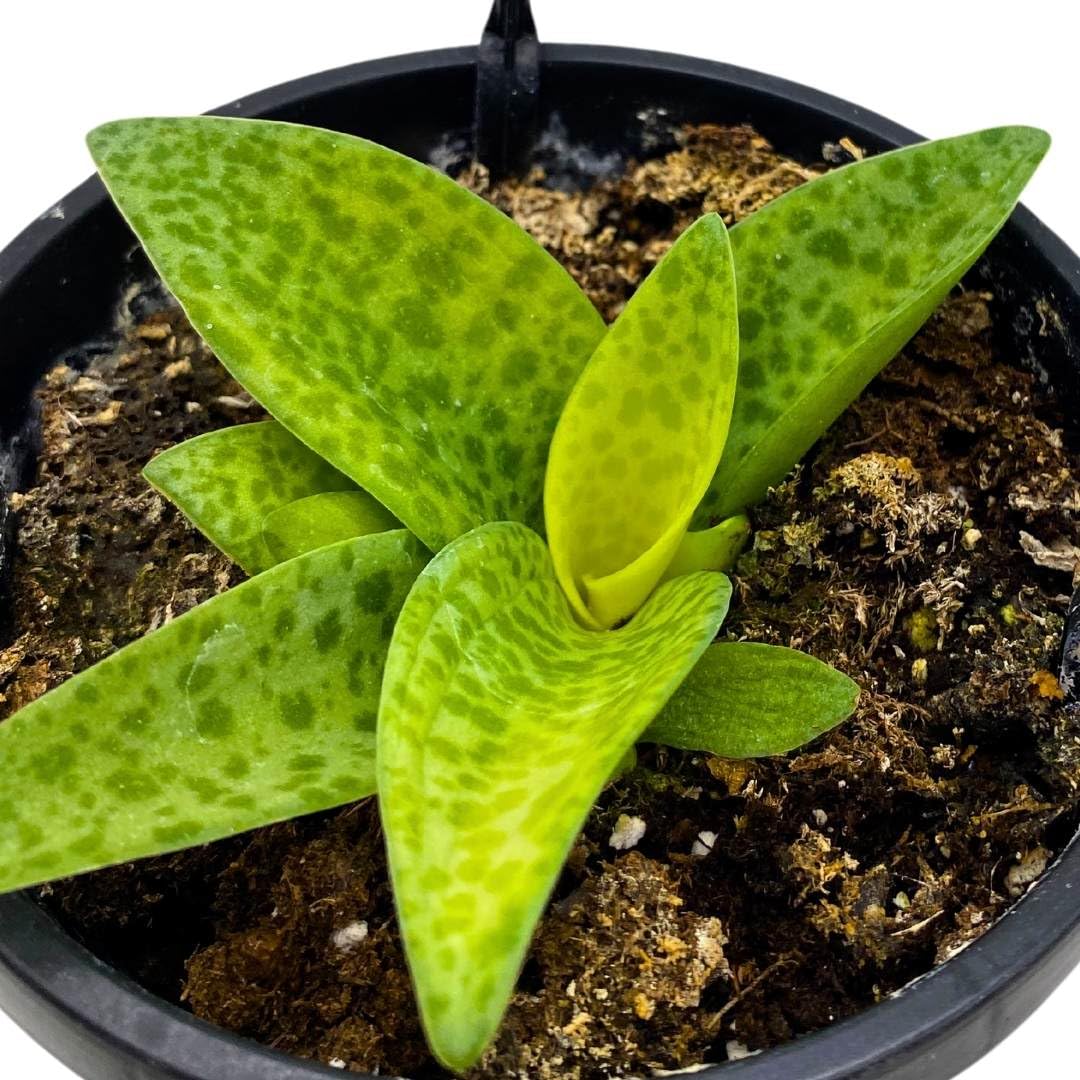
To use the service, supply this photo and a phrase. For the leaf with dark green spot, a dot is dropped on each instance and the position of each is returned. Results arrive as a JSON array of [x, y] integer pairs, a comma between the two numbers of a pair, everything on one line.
[[227, 482], [319, 520], [400, 326], [501, 719], [745, 699], [257, 706], [835, 276], [642, 431]]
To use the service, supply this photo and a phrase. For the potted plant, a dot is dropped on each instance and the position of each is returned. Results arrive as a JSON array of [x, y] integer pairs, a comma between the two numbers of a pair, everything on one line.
[[214, 717]]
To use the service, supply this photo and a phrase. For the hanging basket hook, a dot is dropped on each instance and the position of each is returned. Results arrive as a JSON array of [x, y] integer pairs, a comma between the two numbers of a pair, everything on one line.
[[507, 89]]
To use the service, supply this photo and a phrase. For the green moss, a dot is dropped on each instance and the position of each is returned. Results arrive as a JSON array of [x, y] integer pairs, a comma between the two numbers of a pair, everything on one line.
[[922, 628], [1009, 615]]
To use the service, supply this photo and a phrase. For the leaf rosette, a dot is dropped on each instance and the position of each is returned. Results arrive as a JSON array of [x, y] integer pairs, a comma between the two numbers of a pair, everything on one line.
[[439, 384]]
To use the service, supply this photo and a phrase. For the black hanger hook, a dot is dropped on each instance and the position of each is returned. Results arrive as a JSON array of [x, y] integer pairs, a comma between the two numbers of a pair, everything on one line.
[[507, 88]]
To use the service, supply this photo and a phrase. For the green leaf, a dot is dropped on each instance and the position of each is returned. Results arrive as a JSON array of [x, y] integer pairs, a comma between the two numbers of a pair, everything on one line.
[[257, 706], [401, 327], [228, 481], [710, 549], [745, 699], [501, 719], [836, 275], [319, 520], [642, 431]]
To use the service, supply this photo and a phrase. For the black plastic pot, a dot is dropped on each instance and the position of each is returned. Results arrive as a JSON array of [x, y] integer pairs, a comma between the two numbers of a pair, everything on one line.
[[59, 282]]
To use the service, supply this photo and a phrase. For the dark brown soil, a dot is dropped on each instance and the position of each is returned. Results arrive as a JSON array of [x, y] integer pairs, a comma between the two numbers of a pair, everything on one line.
[[924, 549]]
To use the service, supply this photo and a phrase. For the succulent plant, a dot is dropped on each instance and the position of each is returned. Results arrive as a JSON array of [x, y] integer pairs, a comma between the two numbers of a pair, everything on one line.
[[444, 398]]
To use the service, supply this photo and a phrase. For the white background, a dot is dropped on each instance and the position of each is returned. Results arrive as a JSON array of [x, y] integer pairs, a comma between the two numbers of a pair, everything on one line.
[[939, 67]]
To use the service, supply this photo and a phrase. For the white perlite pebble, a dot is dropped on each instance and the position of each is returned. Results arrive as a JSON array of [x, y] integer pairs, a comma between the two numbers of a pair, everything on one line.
[[736, 1050], [703, 844], [347, 938], [627, 833], [970, 539], [336, 1063]]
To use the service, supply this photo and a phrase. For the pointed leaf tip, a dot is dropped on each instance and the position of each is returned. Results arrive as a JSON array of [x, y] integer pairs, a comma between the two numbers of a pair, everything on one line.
[[228, 482], [501, 719], [745, 699], [837, 274], [351, 289], [99, 138]]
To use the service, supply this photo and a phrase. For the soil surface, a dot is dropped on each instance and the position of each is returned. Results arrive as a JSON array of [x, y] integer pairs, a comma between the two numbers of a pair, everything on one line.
[[925, 548]]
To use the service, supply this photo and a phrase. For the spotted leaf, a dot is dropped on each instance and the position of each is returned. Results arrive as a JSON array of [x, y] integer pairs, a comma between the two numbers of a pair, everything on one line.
[[501, 718], [835, 276], [401, 327], [745, 699], [227, 482], [642, 431], [323, 519], [257, 706]]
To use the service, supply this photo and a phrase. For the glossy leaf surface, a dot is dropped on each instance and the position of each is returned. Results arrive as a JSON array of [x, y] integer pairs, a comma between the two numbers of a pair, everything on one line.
[[745, 699], [257, 706], [501, 719], [226, 483], [836, 275], [319, 520], [641, 434], [400, 326]]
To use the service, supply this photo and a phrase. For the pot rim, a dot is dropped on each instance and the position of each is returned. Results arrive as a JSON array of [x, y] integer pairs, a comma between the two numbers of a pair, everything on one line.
[[944, 1020]]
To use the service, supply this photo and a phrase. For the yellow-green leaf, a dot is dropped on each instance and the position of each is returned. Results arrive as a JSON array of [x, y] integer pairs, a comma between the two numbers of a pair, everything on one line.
[[256, 706], [745, 699], [400, 326], [228, 481], [710, 549], [639, 439], [836, 275], [323, 519], [501, 719]]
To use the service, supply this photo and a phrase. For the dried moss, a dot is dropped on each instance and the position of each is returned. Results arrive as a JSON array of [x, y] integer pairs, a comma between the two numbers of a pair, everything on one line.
[[102, 557], [619, 968]]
